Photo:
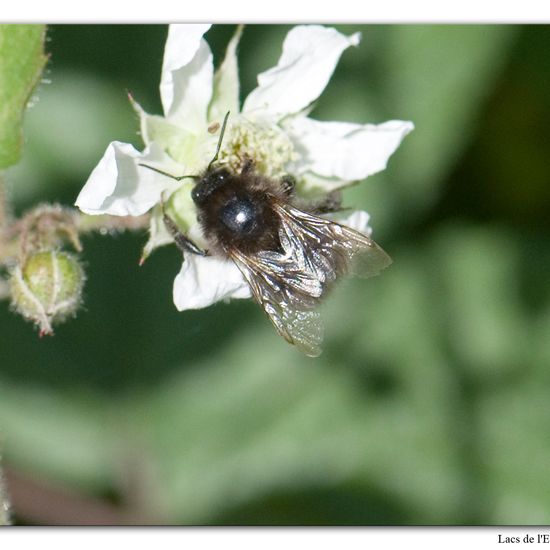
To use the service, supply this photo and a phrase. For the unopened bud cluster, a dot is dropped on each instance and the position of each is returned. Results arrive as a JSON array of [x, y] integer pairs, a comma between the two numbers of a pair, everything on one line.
[[47, 288]]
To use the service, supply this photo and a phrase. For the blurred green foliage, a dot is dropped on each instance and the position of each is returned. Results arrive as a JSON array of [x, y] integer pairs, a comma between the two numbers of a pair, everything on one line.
[[430, 402], [20, 74]]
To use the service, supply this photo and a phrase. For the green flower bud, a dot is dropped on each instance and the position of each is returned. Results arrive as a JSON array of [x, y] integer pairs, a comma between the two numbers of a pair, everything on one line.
[[47, 288]]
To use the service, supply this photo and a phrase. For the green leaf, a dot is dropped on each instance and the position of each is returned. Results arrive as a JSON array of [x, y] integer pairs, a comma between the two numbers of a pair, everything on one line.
[[22, 59], [58, 435], [438, 77], [488, 329]]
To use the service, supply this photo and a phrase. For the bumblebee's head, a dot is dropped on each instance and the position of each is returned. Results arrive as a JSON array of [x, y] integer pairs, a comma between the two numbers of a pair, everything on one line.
[[207, 184]]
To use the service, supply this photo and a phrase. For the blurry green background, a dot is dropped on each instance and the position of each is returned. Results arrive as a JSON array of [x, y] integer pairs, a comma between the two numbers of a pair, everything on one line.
[[430, 403]]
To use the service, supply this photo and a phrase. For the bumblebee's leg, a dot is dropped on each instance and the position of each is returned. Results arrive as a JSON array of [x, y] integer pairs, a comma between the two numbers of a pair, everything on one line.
[[332, 202], [248, 166], [182, 242], [288, 183]]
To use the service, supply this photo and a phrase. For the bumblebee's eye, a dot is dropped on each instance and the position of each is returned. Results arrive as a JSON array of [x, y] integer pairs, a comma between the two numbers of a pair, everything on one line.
[[239, 216], [197, 194]]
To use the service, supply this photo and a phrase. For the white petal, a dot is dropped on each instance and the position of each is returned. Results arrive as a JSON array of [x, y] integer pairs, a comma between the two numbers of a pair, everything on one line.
[[310, 54], [358, 220], [345, 150], [154, 127], [226, 82], [187, 76], [158, 234], [120, 187], [204, 281]]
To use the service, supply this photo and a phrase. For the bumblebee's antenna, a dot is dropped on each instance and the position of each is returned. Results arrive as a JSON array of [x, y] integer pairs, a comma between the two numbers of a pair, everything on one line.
[[177, 178], [222, 132]]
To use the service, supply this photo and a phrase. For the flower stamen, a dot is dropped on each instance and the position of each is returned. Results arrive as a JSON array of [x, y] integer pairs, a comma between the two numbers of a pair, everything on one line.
[[268, 146]]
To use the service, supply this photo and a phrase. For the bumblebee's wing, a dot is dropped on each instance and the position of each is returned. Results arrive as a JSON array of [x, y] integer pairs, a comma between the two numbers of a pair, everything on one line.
[[290, 283], [329, 249], [285, 296]]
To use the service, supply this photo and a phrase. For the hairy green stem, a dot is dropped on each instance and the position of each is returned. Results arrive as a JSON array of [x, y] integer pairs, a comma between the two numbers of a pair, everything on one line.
[[7, 246], [3, 205], [4, 503], [51, 221], [4, 290]]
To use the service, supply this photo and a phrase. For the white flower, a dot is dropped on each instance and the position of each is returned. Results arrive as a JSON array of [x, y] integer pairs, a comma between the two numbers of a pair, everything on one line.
[[273, 128]]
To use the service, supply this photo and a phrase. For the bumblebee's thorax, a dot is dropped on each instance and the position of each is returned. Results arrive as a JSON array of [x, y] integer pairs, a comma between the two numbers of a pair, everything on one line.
[[235, 212], [240, 216]]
